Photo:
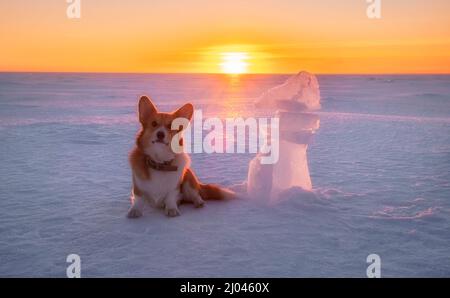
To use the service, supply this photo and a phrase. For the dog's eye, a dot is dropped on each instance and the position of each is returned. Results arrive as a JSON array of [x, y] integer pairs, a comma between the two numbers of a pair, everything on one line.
[[169, 126], [154, 124]]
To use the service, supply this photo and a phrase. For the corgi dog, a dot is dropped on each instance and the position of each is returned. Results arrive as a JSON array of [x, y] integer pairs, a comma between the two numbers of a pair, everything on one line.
[[161, 176]]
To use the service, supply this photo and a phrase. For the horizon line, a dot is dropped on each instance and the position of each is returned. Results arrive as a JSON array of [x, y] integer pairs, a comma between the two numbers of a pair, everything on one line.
[[219, 73]]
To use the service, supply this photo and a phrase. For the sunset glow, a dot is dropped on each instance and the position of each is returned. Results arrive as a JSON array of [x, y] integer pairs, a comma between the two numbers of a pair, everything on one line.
[[196, 36]]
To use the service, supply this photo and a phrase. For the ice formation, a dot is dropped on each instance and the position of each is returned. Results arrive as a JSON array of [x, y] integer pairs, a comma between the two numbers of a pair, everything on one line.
[[295, 99], [300, 92]]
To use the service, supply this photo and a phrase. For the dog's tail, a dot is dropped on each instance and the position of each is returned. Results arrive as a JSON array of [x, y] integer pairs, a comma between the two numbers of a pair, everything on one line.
[[215, 192]]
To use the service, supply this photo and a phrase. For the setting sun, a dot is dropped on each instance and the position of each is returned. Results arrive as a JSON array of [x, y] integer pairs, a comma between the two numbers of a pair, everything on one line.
[[234, 63]]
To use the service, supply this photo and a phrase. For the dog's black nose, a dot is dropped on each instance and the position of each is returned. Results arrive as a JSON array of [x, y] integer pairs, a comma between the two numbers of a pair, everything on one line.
[[160, 135]]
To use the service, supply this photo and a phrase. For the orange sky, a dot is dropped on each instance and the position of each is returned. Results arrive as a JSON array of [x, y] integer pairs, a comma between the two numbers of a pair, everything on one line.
[[280, 36]]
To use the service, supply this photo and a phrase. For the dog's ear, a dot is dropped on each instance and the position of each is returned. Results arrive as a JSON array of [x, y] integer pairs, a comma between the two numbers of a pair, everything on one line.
[[185, 111], [146, 109]]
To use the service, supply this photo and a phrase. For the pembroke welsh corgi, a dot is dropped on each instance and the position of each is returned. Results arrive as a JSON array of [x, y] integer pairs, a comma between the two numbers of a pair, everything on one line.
[[161, 176]]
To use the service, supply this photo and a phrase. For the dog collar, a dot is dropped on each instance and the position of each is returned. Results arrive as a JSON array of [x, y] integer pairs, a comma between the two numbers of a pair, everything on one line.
[[165, 166]]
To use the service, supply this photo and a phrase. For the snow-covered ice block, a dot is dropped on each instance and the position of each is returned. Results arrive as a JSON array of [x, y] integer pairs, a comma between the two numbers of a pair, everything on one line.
[[300, 137], [259, 179], [296, 121], [291, 170], [299, 92]]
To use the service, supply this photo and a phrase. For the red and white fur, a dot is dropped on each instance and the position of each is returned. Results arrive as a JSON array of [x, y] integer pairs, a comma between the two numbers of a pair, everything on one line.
[[164, 189]]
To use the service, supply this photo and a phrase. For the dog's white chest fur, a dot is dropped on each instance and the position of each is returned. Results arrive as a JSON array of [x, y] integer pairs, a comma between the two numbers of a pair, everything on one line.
[[159, 185], [162, 183]]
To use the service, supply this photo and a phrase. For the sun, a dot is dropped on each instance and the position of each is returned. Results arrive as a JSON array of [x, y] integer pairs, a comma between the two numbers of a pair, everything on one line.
[[234, 62]]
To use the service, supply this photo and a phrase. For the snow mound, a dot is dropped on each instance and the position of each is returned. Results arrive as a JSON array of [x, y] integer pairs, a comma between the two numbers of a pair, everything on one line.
[[299, 92]]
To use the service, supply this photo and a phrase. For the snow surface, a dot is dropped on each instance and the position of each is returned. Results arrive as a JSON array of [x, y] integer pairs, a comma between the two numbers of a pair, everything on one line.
[[380, 164]]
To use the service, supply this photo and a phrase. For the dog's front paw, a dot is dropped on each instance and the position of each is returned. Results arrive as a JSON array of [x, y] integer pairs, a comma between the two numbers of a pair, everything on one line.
[[172, 212], [134, 213], [199, 203]]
